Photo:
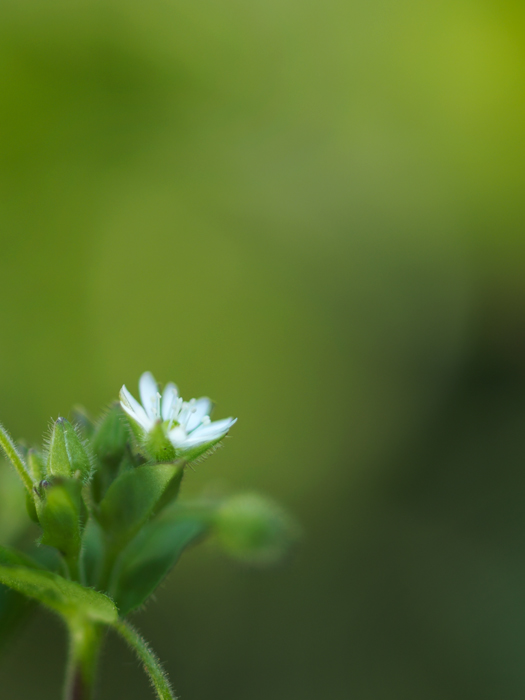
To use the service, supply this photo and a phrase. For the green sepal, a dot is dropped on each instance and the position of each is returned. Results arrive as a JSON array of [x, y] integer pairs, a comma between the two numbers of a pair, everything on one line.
[[135, 429], [150, 557], [157, 444], [68, 456], [134, 497], [36, 464], [254, 529], [68, 598], [201, 452], [62, 515]]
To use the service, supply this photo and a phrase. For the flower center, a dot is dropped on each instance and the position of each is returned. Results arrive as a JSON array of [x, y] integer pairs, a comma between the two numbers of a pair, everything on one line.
[[180, 413]]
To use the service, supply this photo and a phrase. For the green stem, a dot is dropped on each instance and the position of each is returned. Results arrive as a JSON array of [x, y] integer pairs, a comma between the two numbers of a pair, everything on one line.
[[158, 677], [85, 639], [75, 569], [9, 447]]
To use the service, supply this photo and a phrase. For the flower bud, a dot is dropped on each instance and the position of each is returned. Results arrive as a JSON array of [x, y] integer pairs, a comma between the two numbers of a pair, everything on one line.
[[110, 438], [254, 529], [68, 456]]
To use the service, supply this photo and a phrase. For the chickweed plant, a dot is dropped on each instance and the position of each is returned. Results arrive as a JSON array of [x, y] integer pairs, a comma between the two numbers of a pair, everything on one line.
[[104, 498]]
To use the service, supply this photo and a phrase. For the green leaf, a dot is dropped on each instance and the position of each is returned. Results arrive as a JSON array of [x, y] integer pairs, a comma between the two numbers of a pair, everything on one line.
[[134, 497], [67, 598], [62, 514], [92, 551], [151, 556]]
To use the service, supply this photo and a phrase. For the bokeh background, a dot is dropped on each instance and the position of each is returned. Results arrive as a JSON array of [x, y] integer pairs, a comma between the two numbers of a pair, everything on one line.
[[313, 212]]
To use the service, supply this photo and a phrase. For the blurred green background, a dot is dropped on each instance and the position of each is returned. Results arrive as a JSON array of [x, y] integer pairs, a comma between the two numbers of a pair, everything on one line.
[[313, 212]]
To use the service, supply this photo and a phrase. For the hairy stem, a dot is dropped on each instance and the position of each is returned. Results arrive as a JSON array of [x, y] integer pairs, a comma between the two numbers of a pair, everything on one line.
[[85, 639], [158, 677], [9, 447]]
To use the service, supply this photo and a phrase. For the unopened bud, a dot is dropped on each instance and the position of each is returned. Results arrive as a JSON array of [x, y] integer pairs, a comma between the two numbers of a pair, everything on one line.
[[68, 455], [110, 438], [254, 529]]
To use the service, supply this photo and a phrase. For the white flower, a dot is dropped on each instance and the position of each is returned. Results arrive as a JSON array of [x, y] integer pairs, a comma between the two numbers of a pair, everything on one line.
[[186, 424]]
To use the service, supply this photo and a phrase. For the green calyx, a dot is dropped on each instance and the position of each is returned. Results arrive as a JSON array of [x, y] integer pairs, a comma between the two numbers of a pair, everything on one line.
[[157, 444]]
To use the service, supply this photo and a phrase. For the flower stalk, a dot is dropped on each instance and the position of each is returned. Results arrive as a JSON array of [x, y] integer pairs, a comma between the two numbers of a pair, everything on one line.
[[157, 675], [9, 447]]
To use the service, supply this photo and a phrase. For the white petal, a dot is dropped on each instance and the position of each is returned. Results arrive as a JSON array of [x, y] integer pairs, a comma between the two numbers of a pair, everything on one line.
[[212, 431], [148, 391], [177, 436], [134, 409], [202, 407], [169, 396]]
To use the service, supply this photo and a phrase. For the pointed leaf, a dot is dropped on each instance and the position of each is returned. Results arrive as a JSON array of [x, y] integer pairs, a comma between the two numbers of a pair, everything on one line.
[[151, 556], [134, 497], [67, 598]]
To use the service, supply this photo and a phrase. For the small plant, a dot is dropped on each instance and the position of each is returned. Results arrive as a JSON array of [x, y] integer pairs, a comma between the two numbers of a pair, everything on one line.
[[105, 497]]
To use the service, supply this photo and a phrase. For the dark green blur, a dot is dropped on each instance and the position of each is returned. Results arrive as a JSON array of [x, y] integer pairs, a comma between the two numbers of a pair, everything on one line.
[[313, 212]]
